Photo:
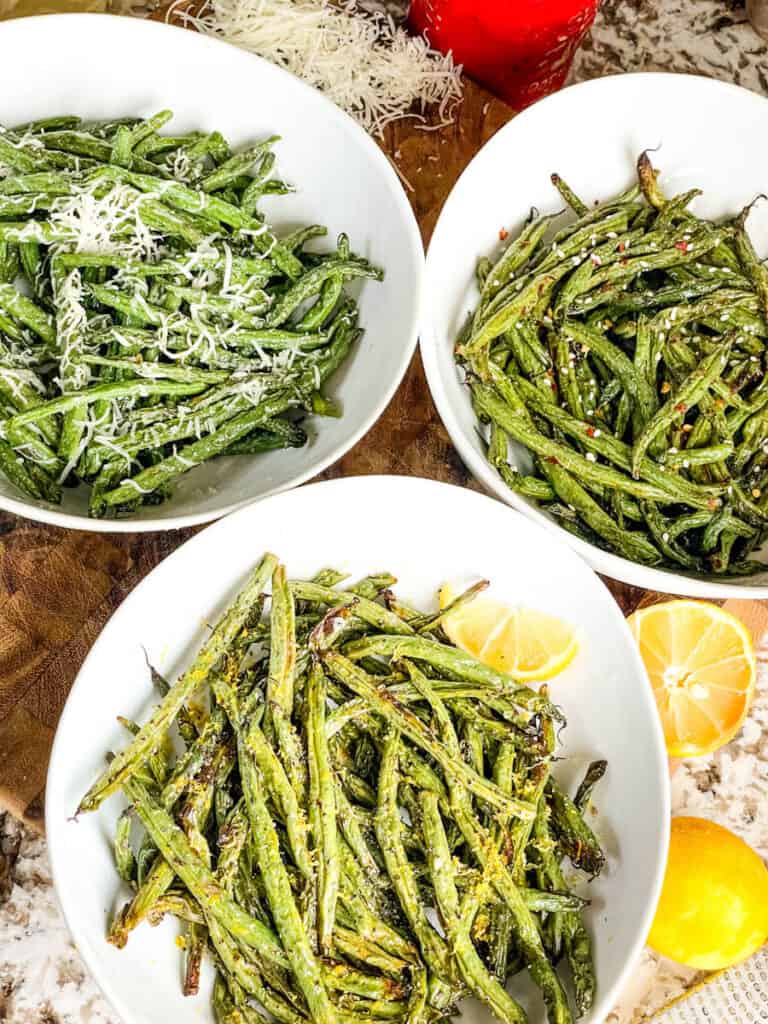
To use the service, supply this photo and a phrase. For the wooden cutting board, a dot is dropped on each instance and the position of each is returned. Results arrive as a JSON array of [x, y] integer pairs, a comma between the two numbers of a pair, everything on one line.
[[58, 587]]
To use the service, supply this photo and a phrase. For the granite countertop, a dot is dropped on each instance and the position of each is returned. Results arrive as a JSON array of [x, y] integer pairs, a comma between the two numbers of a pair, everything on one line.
[[42, 979]]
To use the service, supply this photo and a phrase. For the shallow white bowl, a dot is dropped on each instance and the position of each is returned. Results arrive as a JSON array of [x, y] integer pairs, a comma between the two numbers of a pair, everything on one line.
[[710, 135], [426, 533], [100, 67]]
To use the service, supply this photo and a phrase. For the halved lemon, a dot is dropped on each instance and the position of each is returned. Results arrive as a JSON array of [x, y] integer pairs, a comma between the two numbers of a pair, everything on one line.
[[702, 667], [713, 910], [527, 644]]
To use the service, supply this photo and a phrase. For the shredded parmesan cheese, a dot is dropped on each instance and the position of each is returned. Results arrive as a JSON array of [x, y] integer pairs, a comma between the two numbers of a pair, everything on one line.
[[91, 222], [364, 63]]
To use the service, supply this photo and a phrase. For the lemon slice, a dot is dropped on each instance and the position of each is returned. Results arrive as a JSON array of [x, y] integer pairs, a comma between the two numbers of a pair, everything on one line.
[[527, 644], [701, 663]]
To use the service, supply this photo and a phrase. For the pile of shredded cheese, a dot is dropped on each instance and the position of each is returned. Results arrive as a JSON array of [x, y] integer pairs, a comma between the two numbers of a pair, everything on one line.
[[363, 62]]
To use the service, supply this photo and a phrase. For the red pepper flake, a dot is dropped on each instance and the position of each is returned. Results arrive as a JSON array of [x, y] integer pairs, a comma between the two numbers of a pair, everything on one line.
[[681, 407], [621, 247], [682, 245], [552, 460], [503, 235], [590, 431]]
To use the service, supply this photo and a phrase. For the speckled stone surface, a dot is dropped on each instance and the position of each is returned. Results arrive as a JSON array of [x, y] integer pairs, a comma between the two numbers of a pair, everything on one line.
[[42, 980]]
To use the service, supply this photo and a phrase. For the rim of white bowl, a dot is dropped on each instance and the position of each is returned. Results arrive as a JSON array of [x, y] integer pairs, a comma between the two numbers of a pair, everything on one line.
[[614, 566], [340, 484], [141, 26]]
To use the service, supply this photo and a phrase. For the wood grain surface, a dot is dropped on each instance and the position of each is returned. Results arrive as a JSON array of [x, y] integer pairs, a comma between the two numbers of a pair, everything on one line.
[[58, 587]]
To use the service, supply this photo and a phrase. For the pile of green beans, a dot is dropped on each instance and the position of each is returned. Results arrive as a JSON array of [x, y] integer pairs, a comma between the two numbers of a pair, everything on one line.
[[362, 825], [627, 351], [150, 320]]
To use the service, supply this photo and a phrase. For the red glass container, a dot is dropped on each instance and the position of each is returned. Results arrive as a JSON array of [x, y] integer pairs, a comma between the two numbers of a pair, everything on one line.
[[519, 49]]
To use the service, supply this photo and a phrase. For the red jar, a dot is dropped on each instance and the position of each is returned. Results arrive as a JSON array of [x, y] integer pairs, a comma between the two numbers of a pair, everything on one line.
[[519, 49]]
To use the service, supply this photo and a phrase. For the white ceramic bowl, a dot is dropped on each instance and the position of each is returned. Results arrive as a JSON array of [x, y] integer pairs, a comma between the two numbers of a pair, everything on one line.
[[425, 533], [710, 135], [100, 67]]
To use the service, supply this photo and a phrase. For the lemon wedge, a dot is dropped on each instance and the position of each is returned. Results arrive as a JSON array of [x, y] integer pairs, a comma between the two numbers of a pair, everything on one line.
[[523, 642]]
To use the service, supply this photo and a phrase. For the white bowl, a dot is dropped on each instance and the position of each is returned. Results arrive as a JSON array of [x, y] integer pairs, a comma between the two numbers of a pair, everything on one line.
[[100, 67], [425, 533], [710, 135]]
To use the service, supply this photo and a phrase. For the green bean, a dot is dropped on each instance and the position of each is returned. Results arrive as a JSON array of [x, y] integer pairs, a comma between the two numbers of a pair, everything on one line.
[[196, 676], [429, 785], [157, 476], [322, 803], [574, 463], [524, 927], [631, 544], [280, 694], [398, 715], [688, 394], [635, 385], [28, 313], [575, 938], [647, 177], [749, 261], [281, 900], [454, 662], [577, 205], [576, 837], [351, 831], [351, 945], [198, 879], [18, 474], [237, 165], [249, 975], [364, 608], [515, 256], [388, 829], [125, 862], [311, 283], [231, 840], [196, 941], [103, 392], [658, 527], [150, 890], [473, 971], [64, 167], [277, 782], [634, 301], [595, 771]]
